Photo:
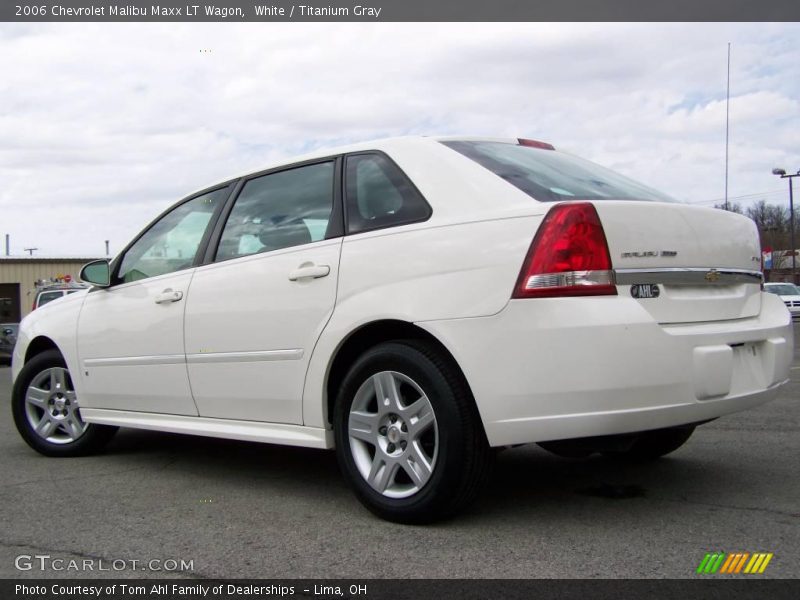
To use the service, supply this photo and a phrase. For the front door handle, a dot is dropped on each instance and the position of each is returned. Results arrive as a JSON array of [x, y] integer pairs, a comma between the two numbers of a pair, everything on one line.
[[169, 295], [309, 271]]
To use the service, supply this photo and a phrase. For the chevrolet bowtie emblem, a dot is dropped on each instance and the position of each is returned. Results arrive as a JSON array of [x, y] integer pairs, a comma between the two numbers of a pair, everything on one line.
[[712, 276]]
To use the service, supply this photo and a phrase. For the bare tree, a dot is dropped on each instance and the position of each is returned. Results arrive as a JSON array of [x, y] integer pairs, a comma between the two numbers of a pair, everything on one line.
[[773, 225], [732, 207], [769, 217]]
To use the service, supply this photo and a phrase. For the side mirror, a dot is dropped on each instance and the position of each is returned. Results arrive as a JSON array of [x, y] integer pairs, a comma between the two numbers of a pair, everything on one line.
[[8, 331], [97, 273]]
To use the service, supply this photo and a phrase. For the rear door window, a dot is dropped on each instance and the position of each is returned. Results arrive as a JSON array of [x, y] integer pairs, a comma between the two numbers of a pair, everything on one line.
[[280, 210], [380, 195]]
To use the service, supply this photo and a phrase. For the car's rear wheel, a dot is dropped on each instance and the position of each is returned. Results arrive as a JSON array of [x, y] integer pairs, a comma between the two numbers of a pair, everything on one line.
[[47, 413], [408, 436], [650, 445]]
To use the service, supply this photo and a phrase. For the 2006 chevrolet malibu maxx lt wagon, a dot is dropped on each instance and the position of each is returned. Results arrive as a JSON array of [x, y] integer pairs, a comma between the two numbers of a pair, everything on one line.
[[414, 303]]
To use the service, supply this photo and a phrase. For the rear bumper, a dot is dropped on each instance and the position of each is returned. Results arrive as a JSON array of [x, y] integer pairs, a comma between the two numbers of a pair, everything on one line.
[[561, 368]]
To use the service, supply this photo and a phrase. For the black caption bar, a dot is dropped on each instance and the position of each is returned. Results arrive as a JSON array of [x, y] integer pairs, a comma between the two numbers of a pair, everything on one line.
[[399, 10], [418, 589]]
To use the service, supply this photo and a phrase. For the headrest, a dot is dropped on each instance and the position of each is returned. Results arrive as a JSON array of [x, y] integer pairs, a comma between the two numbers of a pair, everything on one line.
[[285, 235]]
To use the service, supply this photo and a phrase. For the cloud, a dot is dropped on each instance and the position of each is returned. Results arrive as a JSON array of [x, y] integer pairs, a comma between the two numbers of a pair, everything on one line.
[[102, 126]]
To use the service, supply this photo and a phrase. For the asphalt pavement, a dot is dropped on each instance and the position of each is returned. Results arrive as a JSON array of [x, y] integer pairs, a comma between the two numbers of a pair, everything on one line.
[[238, 509]]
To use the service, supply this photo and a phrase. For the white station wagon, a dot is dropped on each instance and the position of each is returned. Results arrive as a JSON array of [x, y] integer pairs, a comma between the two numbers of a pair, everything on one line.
[[414, 303]]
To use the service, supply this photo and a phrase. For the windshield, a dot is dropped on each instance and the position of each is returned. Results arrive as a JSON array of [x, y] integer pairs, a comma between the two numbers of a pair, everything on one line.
[[550, 176], [47, 297], [782, 289]]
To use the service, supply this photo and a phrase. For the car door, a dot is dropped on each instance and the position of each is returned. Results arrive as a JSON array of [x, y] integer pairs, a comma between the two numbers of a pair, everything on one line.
[[130, 335], [255, 312]]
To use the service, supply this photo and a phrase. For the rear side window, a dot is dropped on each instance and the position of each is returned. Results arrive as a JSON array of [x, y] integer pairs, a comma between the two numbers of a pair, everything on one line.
[[380, 195], [550, 176]]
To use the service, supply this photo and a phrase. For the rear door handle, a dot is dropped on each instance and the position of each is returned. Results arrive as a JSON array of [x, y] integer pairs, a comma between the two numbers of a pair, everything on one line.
[[169, 295], [309, 271]]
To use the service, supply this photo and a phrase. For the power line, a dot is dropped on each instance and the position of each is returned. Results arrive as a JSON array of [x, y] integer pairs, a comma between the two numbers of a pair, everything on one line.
[[742, 197]]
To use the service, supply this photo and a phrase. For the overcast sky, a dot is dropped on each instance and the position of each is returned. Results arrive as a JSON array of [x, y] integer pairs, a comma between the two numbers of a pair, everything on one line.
[[102, 126]]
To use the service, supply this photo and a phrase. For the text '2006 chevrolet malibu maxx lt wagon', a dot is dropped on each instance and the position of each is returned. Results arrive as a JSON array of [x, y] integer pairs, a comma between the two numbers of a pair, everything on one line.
[[414, 303]]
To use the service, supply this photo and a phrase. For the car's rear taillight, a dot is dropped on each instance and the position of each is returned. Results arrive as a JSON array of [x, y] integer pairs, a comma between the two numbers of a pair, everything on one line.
[[568, 256]]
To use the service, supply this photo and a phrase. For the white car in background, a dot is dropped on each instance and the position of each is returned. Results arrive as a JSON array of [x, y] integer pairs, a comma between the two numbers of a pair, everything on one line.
[[414, 303], [56, 291], [790, 295]]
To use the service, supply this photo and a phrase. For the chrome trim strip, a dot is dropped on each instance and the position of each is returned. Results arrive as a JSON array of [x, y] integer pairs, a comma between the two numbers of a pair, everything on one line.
[[688, 276], [133, 361], [204, 357], [228, 357]]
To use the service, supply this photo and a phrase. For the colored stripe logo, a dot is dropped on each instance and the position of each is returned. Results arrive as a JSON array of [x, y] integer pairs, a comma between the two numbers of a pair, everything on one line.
[[734, 563]]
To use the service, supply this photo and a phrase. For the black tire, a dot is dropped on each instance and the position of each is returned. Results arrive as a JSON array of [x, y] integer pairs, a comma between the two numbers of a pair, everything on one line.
[[93, 438], [462, 457], [650, 445]]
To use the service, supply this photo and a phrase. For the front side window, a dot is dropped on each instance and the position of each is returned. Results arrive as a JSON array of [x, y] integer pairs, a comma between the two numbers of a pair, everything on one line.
[[172, 243], [280, 210], [380, 195]]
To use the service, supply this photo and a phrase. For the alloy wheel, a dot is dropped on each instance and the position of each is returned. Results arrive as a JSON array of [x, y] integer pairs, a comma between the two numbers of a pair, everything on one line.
[[393, 434], [51, 407]]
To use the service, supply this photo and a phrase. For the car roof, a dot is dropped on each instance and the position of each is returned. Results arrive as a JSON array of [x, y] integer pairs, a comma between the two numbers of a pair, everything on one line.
[[63, 286], [381, 144]]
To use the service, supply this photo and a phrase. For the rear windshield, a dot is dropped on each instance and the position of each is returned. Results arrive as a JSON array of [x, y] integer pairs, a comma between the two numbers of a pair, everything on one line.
[[550, 176]]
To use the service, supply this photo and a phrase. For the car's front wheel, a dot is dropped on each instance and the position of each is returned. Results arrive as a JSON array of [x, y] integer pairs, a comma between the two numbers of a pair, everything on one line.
[[408, 435], [47, 413]]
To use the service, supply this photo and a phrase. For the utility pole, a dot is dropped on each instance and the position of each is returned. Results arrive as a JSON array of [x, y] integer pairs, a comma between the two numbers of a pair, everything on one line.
[[782, 174], [727, 123]]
